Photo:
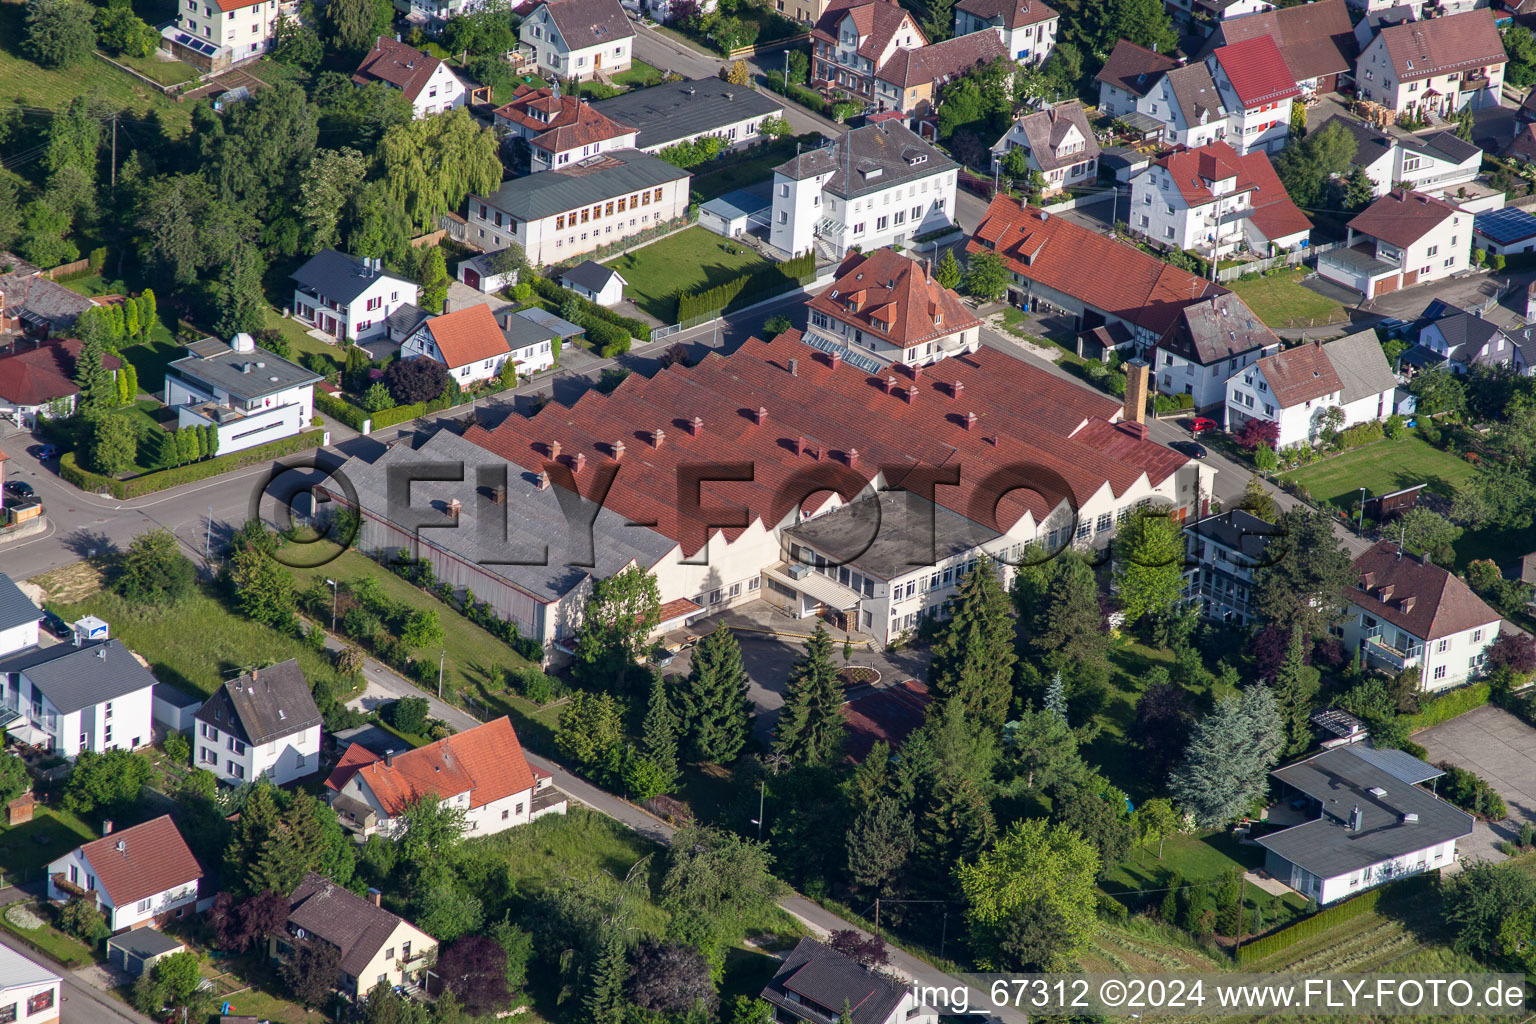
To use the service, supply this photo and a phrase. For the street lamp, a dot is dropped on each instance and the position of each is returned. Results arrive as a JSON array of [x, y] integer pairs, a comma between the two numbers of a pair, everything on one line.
[[440, 657], [332, 585], [1361, 529]]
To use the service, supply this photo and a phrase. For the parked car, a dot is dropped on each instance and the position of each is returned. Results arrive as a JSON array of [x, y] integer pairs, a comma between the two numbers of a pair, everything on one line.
[[661, 657], [1190, 448], [48, 451], [18, 488], [51, 623], [1200, 424]]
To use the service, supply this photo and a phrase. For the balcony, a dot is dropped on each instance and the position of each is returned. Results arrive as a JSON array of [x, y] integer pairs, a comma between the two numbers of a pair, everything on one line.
[[1397, 658]]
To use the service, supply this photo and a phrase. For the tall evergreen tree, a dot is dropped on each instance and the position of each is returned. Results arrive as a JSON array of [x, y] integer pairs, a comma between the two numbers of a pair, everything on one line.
[[659, 734], [810, 729], [98, 387], [879, 843], [948, 273], [973, 660], [1296, 685], [717, 715], [604, 1000], [242, 307], [1229, 757], [1305, 575], [1056, 696]]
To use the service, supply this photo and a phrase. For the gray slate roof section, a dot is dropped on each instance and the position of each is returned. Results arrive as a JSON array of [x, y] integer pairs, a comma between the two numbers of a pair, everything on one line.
[[1399, 764], [1195, 92], [544, 318], [337, 276], [176, 698], [40, 300], [79, 677], [901, 523], [535, 520], [1361, 365], [1340, 779], [16, 608], [1045, 129], [594, 180], [521, 332], [1236, 530], [1465, 334], [590, 275], [246, 375], [815, 972], [584, 23], [673, 111], [273, 703], [893, 148], [405, 319], [143, 943]]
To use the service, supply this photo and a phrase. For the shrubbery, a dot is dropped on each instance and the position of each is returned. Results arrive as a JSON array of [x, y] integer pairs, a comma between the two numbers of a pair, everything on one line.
[[553, 293], [758, 285], [95, 483]]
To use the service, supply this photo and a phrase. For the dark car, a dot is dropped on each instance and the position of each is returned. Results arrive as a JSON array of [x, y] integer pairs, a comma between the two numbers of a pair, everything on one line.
[[18, 488], [47, 451], [55, 625], [1189, 448]]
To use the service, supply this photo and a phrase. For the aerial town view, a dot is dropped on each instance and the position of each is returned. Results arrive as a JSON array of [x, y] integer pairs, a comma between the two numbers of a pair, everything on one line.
[[767, 511]]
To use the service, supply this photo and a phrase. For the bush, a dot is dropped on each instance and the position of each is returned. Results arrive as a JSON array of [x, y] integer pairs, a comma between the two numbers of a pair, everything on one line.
[[1360, 434], [1324, 919], [756, 286], [534, 684], [177, 748], [608, 339], [94, 483], [409, 714], [1471, 792], [1447, 706], [558, 296]]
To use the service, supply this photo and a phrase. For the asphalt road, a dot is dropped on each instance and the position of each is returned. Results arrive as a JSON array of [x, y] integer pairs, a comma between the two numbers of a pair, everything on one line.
[[80, 1001]]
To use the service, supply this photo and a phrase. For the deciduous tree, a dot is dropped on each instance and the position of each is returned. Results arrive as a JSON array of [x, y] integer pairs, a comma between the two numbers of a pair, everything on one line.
[[986, 276], [621, 613], [153, 571], [311, 971], [1149, 564], [417, 379], [327, 188], [430, 165], [1036, 871], [107, 780], [474, 968], [59, 32], [671, 978], [353, 26]]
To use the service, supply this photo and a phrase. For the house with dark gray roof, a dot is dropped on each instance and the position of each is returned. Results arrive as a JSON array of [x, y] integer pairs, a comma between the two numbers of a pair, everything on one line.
[[348, 297], [1460, 340], [1207, 342], [18, 617], [1371, 822], [35, 305], [73, 697], [264, 723], [248, 395], [560, 215], [372, 944], [816, 982], [1437, 164], [578, 38], [678, 112], [1223, 552]]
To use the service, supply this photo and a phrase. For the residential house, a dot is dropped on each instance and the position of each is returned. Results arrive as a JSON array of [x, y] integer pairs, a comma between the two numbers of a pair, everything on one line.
[[262, 724], [19, 618], [578, 38], [1503, 232], [560, 129], [1461, 340], [427, 82], [911, 80], [29, 994], [1404, 612], [1027, 28], [603, 285], [467, 341], [39, 382], [138, 876], [34, 305], [1522, 148], [93, 695], [1438, 66], [1415, 8], [886, 308], [1127, 78], [872, 187], [1223, 552], [1046, 256], [533, 343], [1188, 104], [1206, 343], [1316, 40], [1214, 202], [816, 983], [854, 39], [1297, 388], [674, 113], [374, 947], [214, 34], [561, 214], [1058, 142], [1203, 15], [1257, 88], [1371, 822], [1436, 164], [1402, 239], [481, 771], [346, 297], [1398, 13], [245, 393]]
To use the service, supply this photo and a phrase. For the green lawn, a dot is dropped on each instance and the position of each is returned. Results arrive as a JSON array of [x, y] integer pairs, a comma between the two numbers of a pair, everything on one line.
[[738, 170], [166, 72], [690, 260], [1282, 301], [1199, 859], [27, 84], [1382, 468], [25, 850], [639, 76], [66, 949], [300, 341]]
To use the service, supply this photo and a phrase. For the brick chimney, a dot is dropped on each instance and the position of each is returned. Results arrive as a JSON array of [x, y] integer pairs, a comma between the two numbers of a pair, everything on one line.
[[696, 426], [890, 385], [579, 463], [834, 360], [658, 436], [911, 393], [956, 389], [543, 481], [852, 456], [618, 450], [554, 451], [761, 416], [794, 367], [970, 421], [1137, 380]]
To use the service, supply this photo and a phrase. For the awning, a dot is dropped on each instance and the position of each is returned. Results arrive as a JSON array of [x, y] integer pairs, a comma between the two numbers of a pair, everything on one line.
[[1143, 124], [815, 586]]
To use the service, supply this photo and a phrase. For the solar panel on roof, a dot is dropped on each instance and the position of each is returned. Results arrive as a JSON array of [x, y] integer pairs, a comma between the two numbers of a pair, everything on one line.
[[1507, 225]]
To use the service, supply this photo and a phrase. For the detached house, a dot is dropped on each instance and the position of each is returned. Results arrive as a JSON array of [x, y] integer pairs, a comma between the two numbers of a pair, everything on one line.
[[139, 876], [1316, 39], [427, 82], [374, 946], [1257, 88], [854, 39], [1207, 342], [560, 129], [816, 982], [467, 341], [213, 34], [885, 308], [1027, 28], [93, 695], [1127, 78], [347, 297], [19, 617], [34, 305], [40, 382], [1212, 201], [481, 772], [1402, 239], [1435, 164], [1058, 142], [578, 38], [1223, 552], [1461, 340], [1296, 388], [1436, 66], [245, 393], [1189, 106], [1404, 611], [262, 724], [28, 993]]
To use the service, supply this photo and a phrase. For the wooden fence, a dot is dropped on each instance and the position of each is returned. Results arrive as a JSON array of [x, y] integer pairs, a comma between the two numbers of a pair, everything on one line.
[[66, 269]]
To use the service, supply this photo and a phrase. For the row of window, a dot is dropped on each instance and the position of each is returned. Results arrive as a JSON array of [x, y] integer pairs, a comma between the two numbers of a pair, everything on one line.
[[634, 202]]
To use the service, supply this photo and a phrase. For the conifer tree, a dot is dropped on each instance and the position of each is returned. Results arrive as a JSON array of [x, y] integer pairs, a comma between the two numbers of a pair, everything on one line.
[[1169, 911], [810, 729], [973, 660], [948, 273], [131, 327], [717, 714], [147, 311], [879, 844], [98, 388], [130, 375], [1296, 685], [604, 1001], [1056, 696], [659, 735]]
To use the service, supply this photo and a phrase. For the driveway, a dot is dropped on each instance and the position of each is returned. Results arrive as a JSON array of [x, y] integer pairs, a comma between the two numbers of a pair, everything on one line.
[[1502, 749]]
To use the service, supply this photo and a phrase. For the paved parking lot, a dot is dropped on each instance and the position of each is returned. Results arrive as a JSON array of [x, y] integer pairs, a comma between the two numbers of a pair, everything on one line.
[[1502, 749]]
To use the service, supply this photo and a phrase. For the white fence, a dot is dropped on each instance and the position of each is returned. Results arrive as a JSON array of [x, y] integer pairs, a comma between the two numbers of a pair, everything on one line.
[[1288, 259]]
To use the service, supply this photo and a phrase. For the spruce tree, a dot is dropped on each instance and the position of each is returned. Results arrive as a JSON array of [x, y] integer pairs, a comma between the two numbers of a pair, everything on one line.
[[948, 272], [1056, 696], [810, 729], [879, 844], [604, 1000], [659, 735], [974, 658], [98, 388], [717, 714], [1296, 685]]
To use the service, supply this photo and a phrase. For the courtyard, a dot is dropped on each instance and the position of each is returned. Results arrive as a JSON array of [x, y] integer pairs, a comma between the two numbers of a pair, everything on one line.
[[1502, 749]]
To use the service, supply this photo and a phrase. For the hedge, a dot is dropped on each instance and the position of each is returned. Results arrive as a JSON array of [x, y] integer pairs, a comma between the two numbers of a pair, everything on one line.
[[758, 285], [1447, 707], [354, 417], [800, 94], [71, 471], [1323, 920], [560, 296], [340, 410]]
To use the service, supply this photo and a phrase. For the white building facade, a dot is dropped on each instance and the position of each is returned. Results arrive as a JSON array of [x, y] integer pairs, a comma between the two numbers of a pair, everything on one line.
[[250, 396], [347, 297], [578, 38]]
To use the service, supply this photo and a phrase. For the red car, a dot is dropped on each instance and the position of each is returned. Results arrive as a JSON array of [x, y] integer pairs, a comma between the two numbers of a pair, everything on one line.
[[1201, 424]]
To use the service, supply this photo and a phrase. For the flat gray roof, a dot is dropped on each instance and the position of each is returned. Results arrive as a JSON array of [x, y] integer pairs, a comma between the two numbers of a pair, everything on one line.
[[245, 375], [890, 534], [673, 111]]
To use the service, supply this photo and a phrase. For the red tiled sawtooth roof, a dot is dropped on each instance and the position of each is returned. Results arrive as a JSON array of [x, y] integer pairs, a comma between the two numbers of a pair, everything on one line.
[[153, 858], [487, 762], [824, 427], [1258, 71], [39, 375], [1112, 277], [897, 298]]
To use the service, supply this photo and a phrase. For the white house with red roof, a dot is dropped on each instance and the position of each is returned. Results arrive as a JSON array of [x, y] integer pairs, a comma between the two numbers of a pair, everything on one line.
[[482, 772], [1402, 239], [1027, 28], [560, 129], [1438, 65], [138, 876], [885, 308], [1295, 389], [1256, 88], [1213, 201], [217, 33], [427, 82], [467, 341]]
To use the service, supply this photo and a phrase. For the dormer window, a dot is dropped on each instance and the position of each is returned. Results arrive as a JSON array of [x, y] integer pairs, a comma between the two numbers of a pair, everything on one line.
[[938, 319]]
